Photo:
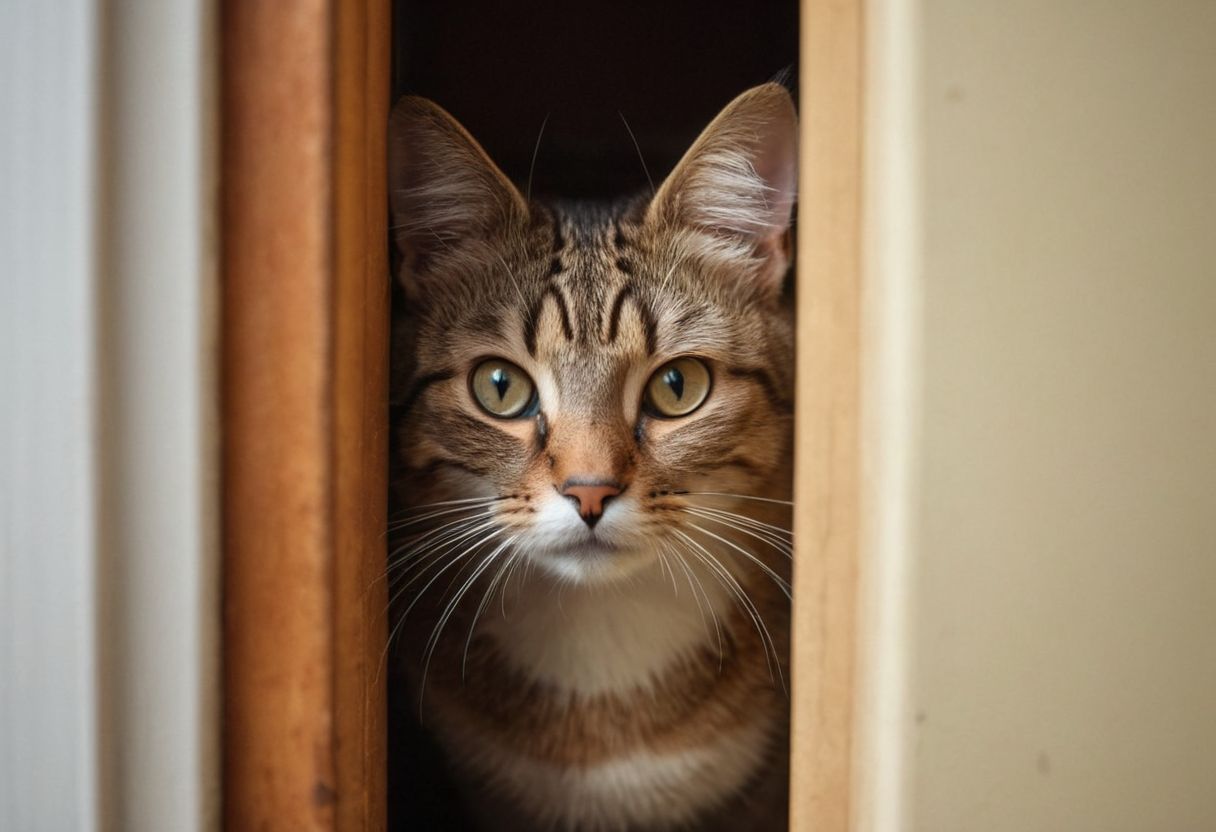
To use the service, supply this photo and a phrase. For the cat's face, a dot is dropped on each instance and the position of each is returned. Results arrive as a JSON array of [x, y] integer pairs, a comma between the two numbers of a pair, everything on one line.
[[575, 370]]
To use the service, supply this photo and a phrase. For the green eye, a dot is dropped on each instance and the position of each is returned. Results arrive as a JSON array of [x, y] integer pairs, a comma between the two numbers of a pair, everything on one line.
[[678, 387], [502, 389]]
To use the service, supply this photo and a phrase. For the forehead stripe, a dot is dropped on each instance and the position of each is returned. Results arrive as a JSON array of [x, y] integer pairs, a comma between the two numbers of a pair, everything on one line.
[[618, 239], [614, 316], [648, 324], [533, 317]]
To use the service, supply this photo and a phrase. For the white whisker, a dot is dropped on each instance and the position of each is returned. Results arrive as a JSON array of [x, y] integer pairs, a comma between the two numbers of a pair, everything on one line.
[[693, 589], [468, 551], [437, 633], [403, 552], [746, 520], [764, 537], [401, 524], [480, 607], [732, 584], [734, 497], [401, 621], [781, 583]]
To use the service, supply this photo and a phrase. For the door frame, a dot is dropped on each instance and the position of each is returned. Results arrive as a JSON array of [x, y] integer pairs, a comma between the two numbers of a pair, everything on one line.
[[304, 103]]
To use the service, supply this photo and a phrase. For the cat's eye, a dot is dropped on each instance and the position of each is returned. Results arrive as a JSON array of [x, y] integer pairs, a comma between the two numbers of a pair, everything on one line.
[[677, 388], [502, 389]]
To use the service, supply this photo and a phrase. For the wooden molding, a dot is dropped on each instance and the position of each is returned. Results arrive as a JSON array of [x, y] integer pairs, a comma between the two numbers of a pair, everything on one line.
[[304, 103], [360, 391], [827, 478], [305, 304]]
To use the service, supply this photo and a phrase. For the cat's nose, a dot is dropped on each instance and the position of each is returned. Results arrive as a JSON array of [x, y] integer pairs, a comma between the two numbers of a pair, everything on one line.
[[591, 498]]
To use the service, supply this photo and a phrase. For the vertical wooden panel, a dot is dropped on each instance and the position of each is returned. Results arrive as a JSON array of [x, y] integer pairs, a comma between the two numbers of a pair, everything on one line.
[[361, 303], [826, 484], [279, 768], [305, 313]]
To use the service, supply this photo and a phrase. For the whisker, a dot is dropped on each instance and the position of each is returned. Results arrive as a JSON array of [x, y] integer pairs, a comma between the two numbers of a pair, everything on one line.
[[413, 540], [401, 621], [719, 574], [502, 596], [419, 548], [437, 633], [777, 579], [431, 537], [638, 148], [424, 550], [515, 283], [464, 661], [434, 560], [666, 567], [452, 562], [410, 521], [746, 520], [693, 589], [423, 506], [535, 152], [730, 582], [780, 545], [734, 496]]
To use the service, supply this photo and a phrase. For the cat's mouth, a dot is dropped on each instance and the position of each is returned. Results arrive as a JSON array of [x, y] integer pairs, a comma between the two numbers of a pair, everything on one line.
[[590, 547], [593, 560], [595, 547]]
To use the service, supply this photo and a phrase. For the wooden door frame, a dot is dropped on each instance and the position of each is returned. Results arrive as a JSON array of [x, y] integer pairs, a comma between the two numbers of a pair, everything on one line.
[[827, 479], [304, 103]]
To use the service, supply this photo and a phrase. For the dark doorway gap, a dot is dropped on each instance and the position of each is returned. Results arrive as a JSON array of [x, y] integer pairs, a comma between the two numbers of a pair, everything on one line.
[[502, 69]]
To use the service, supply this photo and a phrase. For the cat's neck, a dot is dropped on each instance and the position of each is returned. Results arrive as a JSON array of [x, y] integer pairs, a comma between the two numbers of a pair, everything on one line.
[[593, 639]]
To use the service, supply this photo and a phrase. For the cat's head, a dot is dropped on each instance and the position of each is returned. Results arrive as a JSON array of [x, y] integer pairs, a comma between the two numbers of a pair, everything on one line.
[[578, 374]]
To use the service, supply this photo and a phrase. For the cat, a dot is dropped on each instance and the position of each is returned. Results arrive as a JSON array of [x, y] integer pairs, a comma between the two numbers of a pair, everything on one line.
[[592, 445]]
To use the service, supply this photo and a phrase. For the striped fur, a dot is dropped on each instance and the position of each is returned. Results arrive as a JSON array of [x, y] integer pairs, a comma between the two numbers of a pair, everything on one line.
[[629, 675]]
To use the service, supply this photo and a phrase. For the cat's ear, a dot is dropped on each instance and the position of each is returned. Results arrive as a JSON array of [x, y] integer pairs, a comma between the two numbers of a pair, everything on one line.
[[445, 192], [739, 180]]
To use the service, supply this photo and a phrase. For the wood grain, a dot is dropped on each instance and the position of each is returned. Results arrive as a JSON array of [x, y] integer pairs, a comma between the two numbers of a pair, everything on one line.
[[827, 479], [360, 390], [304, 359]]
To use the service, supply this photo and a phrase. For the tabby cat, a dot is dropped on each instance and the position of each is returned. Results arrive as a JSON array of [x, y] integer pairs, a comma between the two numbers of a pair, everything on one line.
[[593, 451]]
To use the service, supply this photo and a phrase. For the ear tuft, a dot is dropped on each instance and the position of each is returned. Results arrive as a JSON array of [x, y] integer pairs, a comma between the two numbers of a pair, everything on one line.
[[443, 188], [739, 180]]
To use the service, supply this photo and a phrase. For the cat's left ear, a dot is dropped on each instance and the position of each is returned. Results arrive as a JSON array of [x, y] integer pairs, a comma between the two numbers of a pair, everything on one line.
[[739, 180]]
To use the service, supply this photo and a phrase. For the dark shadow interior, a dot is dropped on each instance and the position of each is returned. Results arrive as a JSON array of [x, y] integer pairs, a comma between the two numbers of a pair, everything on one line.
[[503, 69]]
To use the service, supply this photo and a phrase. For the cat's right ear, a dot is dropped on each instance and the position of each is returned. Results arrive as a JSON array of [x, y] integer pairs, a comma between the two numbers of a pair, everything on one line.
[[445, 192], [738, 182]]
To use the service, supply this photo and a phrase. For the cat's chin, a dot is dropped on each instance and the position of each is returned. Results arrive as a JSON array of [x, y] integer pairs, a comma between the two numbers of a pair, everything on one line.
[[593, 562]]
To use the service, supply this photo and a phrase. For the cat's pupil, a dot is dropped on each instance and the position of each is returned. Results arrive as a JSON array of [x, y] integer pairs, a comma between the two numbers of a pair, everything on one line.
[[501, 381], [675, 380]]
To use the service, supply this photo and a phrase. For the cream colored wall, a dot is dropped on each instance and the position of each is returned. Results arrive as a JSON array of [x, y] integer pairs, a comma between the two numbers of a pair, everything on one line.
[[1056, 669]]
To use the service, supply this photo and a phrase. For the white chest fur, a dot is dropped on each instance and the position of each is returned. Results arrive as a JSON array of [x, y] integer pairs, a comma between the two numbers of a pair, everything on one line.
[[614, 638], [594, 640]]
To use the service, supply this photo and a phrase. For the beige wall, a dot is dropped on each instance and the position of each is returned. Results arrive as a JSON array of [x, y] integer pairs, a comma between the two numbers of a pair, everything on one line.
[[1057, 670]]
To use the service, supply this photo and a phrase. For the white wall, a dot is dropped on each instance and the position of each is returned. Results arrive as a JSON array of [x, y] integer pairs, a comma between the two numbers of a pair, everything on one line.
[[1041, 628], [49, 775], [108, 560]]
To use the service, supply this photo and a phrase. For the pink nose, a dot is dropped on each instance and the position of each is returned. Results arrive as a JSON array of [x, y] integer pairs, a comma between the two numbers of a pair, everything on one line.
[[592, 497]]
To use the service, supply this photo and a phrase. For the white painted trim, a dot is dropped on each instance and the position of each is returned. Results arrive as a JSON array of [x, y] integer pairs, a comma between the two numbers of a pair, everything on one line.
[[891, 383], [159, 417], [108, 471]]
